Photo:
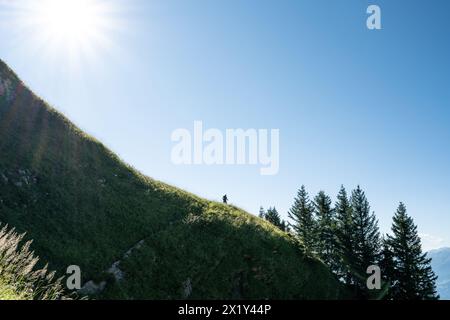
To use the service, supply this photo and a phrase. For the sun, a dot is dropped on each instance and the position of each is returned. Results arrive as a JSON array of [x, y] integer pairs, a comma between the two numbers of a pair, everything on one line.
[[72, 31], [71, 20], [74, 23]]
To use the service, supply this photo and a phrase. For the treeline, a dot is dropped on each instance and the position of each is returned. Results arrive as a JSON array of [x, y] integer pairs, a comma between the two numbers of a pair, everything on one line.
[[346, 237]]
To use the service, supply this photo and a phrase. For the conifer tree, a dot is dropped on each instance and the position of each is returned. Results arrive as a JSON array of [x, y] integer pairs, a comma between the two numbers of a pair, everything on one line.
[[326, 231], [262, 213], [344, 236], [414, 278], [366, 239], [273, 217], [285, 226], [387, 268], [304, 224]]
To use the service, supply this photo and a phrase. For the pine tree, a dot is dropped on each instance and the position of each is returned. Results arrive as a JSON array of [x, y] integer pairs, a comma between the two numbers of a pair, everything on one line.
[[414, 278], [366, 239], [387, 268], [304, 224], [427, 287], [344, 235], [284, 226], [326, 230], [273, 217], [262, 213]]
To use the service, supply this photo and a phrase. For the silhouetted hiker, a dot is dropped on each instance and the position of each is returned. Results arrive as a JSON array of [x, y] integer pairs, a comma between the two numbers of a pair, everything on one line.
[[225, 199]]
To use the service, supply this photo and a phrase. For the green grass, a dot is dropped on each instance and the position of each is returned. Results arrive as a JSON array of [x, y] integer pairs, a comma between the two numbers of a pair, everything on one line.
[[7, 292], [82, 205], [20, 279]]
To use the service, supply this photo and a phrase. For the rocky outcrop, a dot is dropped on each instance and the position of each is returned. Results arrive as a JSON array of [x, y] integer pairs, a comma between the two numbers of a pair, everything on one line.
[[187, 288], [18, 177], [7, 89], [92, 288]]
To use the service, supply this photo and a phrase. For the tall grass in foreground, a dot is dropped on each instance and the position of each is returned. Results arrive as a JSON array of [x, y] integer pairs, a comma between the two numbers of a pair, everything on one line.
[[19, 277]]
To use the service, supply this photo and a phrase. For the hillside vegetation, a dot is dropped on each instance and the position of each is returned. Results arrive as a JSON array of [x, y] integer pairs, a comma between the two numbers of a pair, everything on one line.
[[83, 206], [19, 277]]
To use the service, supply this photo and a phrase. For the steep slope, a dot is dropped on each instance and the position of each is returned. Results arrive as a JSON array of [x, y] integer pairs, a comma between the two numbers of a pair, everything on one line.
[[82, 206], [441, 265]]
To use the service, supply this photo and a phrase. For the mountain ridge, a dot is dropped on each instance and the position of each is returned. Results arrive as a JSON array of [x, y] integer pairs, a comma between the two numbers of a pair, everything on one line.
[[441, 265], [82, 205]]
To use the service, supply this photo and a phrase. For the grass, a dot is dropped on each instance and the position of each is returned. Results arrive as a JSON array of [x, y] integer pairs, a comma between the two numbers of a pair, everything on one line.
[[8, 293], [19, 277], [82, 205]]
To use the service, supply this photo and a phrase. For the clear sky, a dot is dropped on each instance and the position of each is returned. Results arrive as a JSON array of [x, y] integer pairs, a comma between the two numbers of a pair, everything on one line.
[[353, 106]]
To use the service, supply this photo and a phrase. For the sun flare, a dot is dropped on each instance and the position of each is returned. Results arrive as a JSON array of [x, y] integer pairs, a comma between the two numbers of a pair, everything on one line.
[[67, 30], [70, 19]]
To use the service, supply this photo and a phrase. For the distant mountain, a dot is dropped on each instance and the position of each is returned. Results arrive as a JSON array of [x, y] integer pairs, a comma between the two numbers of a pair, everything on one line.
[[134, 237], [441, 266]]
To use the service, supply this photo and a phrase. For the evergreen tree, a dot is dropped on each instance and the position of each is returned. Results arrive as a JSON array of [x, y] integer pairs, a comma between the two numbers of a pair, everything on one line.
[[366, 239], [262, 213], [414, 278], [304, 224], [285, 226], [273, 217], [344, 236], [387, 268], [326, 230]]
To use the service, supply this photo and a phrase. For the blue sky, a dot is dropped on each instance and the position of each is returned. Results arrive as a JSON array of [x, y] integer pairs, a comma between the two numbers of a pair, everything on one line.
[[353, 106]]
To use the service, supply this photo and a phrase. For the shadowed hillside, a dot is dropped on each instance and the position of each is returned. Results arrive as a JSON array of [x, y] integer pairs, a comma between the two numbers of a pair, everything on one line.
[[132, 236]]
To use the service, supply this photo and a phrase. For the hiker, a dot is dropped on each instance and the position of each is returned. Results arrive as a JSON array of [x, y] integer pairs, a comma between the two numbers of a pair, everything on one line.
[[225, 199]]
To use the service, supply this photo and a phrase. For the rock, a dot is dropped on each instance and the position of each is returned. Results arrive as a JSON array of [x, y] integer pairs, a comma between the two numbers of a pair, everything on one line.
[[7, 90], [102, 182], [25, 180], [18, 184], [135, 247], [91, 287], [187, 288], [5, 178], [116, 272]]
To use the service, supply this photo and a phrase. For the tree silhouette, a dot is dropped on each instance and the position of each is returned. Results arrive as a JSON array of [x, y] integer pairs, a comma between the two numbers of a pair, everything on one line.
[[415, 280], [304, 224]]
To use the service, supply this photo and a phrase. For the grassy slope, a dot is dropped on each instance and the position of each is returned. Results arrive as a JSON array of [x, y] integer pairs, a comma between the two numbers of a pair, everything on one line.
[[81, 205]]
